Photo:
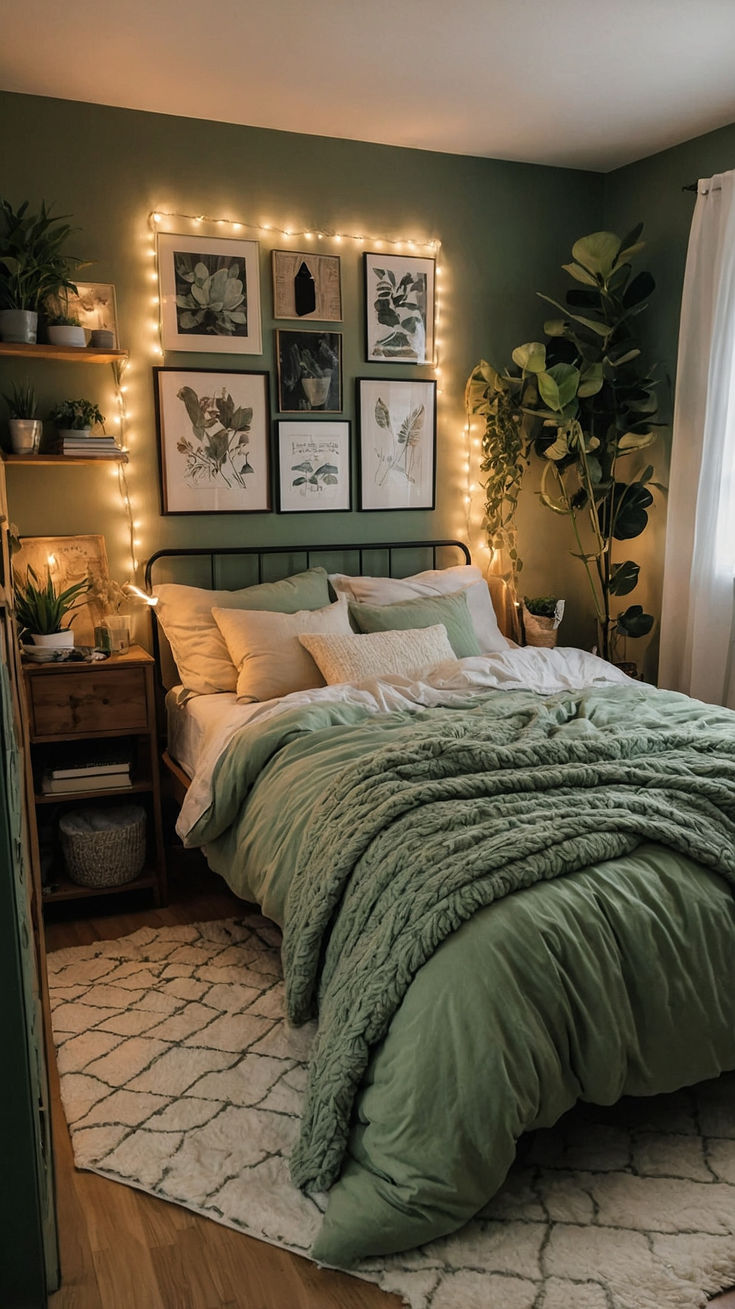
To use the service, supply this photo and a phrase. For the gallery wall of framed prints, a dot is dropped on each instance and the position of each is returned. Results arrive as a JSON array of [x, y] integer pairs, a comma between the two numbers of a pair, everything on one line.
[[219, 450]]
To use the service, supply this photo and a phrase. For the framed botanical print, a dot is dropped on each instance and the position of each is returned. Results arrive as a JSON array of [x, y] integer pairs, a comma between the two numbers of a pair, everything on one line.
[[399, 308], [309, 371], [313, 466], [213, 440], [307, 285], [210, 294], [397, 444]]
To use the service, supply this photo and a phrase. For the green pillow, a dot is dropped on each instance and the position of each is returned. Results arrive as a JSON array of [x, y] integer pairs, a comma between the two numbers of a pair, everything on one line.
[[450, 610]]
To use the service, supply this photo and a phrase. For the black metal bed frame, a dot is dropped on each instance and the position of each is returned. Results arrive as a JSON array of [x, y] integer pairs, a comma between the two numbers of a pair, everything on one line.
[[260, 553]]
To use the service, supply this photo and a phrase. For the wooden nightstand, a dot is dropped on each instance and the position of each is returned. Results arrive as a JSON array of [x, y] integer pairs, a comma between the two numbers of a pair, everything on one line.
[[75, 707]]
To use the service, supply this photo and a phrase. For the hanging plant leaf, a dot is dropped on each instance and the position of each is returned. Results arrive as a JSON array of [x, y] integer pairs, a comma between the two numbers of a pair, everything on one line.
[[634, 622]]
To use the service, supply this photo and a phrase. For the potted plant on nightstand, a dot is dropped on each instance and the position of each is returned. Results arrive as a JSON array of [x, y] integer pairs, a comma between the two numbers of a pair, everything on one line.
[[33, 266], [76, 418], [23, 421], [542, 615], [41, 610]]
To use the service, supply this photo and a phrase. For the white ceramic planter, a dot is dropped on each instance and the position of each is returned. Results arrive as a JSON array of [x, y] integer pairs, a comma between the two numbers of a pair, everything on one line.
[[74, 432], [316, 389], [67, 335], [25, 435], [19, 325], [54, 640]]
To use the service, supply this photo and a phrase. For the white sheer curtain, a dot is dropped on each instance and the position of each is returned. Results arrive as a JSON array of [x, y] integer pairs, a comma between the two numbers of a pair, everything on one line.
[[698, 611]]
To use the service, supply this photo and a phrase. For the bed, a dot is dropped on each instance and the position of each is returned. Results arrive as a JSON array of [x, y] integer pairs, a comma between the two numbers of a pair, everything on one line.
[[504, 882]]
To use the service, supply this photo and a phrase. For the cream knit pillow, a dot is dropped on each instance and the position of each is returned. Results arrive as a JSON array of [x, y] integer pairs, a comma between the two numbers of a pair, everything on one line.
[[378, 654], [265, 649]]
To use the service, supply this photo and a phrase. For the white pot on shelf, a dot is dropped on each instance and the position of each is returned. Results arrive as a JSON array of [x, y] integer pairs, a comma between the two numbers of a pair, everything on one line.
[[25, 435], [19, 326], [67, 334], [74, 432], [63, 640]]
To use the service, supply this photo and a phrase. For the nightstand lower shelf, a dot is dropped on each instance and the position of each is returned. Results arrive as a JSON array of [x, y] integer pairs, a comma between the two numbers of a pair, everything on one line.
[[65, 889]]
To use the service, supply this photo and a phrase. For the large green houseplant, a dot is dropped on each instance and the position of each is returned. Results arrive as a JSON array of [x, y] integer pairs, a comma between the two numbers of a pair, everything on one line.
[[33, 267], [583, 404]]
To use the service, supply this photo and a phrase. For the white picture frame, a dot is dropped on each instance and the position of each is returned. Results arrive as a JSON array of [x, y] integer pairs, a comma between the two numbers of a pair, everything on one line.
[[197, 313], [314, 473]]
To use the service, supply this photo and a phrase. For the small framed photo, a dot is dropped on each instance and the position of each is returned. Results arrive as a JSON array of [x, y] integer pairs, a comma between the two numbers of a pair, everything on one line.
[[210, 294], [313, 466], [309, 371], [399, 305], [397, 444], [307, 285], [95, 306], [213, 440]]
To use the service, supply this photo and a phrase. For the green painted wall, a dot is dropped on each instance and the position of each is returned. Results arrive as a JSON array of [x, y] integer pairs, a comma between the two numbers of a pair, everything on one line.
[[505, 228], [651, 191]]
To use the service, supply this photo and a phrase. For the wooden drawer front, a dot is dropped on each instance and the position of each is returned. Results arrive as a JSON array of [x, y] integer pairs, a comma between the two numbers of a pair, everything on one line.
[[68, 703]]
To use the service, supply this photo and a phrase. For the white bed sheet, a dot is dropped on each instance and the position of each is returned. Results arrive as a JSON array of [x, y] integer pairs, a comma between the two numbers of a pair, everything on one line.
[[193, 720], [530, 668]]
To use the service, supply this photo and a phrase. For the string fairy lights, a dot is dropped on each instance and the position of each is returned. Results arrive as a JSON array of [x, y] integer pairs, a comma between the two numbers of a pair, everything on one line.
[[462, 479]]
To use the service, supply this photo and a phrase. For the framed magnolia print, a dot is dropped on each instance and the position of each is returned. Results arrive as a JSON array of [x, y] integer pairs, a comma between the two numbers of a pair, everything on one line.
[[210, 294], [397, 444], [399, 306], [307, 285], [309, 371], [313, 466], [213, 440], [71, 559]]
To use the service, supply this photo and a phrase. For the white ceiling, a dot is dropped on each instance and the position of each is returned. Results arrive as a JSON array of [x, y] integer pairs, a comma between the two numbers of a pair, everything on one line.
[[584, 83]]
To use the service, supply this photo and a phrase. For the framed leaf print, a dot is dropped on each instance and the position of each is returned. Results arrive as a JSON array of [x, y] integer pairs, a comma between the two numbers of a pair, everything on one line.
[[210, 294], [309, 371], [313, 466], [397, 444], [399, 306], [213, 435]]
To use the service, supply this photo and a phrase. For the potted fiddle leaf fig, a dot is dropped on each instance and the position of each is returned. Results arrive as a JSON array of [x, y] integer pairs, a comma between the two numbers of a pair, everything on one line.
[[41, 609], [584, 405], [33, 266]]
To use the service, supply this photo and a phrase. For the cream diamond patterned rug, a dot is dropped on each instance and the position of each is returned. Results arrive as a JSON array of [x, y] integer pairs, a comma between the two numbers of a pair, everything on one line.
[[179, 1076]]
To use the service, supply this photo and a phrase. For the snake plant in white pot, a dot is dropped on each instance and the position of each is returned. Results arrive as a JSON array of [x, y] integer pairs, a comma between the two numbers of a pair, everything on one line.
[[41, 609], [24, 424]]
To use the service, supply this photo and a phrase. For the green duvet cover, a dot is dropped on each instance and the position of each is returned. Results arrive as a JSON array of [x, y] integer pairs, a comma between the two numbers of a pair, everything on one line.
[[496, 910]]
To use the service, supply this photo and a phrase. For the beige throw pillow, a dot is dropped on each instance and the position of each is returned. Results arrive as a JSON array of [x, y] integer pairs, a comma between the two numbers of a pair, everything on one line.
[[378, 654], [266, 651], [197, 645]]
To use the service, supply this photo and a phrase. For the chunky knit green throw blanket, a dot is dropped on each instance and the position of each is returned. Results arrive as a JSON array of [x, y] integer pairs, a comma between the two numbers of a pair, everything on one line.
[[482, 803]]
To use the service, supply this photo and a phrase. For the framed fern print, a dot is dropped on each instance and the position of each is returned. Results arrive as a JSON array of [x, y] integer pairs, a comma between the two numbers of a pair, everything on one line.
[[397, 443]]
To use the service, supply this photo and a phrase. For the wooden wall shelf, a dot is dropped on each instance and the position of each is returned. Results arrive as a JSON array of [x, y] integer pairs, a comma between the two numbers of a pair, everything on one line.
[[46, 460], [65, 353]]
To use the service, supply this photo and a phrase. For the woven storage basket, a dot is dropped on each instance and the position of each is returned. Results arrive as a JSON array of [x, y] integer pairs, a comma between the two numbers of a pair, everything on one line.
[[104, 847]]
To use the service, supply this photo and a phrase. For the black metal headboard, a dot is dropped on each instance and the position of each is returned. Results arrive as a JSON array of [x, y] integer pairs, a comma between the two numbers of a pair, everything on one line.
[[216, 567]]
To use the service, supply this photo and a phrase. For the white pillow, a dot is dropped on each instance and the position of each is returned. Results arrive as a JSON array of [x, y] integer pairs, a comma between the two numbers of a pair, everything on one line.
[[435, 581], [377, 654], [265, 649], [198, 648]]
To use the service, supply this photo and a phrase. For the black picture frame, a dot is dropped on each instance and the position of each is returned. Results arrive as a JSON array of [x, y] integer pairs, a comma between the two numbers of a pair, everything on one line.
[[306, 357], [397, 443], [322, 449]]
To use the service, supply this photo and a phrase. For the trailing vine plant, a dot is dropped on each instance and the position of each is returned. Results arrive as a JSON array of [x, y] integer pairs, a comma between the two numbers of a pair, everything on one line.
[[587, 403]]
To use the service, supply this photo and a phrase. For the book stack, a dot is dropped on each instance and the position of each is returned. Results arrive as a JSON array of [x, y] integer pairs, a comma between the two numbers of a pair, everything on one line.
[[90, 447], [93, 774]]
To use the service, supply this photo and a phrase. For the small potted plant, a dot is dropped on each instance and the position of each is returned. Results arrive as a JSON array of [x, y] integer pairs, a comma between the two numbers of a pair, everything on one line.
[[41, 609], [33, 266], [65, 329], [23, 421], [76, 417], [542, 615]]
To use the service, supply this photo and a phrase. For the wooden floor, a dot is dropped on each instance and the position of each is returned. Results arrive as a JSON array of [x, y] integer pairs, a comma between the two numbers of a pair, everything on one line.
[[123, 1249]]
